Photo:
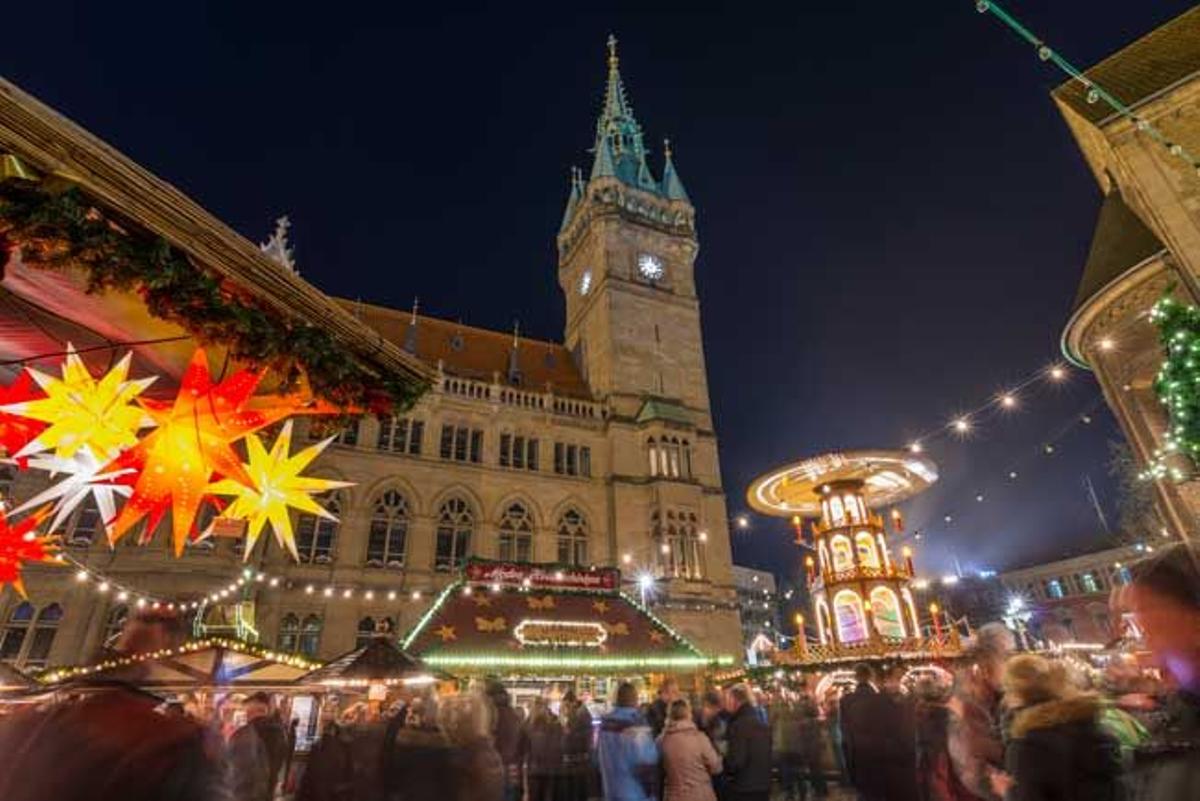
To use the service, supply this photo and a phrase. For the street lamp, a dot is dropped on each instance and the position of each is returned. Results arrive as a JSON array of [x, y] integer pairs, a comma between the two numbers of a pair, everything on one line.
[[645, 584]]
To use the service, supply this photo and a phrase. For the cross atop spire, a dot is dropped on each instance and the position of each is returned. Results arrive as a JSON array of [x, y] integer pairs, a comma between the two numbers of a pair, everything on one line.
[[620, 150], [612, 52]]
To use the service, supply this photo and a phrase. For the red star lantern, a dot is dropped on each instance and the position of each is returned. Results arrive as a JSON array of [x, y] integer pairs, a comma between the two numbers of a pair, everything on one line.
[[177, 460], [19, 544], [16, 431]]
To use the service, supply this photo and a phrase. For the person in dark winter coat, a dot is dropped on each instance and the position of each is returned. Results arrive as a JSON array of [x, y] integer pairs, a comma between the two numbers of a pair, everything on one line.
[[1057, 750], [1165, 600], [866, 739], [577, 749], [899, 720], [658, 712], [250, 763], [506, 738], [477, 773], [329, 775], [748, 762], [542, 751]]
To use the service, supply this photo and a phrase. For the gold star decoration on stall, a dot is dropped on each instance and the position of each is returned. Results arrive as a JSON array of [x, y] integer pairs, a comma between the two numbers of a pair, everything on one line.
[[446, 633], [20, 544], [278, 486], [193, 441], [79, 410], [656, 636], [600, 606]]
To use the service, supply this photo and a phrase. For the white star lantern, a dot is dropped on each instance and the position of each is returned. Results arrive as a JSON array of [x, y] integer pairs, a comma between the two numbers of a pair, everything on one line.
[[83, 478]]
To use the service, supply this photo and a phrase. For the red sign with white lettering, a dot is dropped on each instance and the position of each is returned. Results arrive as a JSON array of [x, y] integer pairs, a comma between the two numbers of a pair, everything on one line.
[[507, 573]]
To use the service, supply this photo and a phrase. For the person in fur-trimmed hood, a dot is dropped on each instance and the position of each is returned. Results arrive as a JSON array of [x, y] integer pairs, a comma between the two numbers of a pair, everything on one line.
[[1057, 749]]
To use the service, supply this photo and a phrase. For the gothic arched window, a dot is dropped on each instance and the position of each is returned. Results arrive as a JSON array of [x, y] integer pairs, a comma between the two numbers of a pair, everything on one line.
[[289, 634], [316, 536], [652, 452], [516, 534], [43, 635], [310, 636], [115, 624], [572, 538], [365, 632], [455, 524], [19, 620], [687, 459], [389, 531]]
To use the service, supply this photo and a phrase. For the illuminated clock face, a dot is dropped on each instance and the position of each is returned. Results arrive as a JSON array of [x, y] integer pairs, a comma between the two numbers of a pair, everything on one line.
[[585, 282], [651, 267]]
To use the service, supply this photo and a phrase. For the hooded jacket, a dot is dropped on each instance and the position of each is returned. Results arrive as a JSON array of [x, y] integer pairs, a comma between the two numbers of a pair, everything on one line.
[[627, 756], [1059, 751]]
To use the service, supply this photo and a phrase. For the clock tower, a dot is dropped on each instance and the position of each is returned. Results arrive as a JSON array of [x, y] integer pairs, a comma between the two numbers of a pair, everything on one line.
[[627, 250]]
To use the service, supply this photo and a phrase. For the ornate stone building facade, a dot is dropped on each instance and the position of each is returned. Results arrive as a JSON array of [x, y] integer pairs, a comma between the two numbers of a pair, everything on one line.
[[1147, 236], [598, 451]]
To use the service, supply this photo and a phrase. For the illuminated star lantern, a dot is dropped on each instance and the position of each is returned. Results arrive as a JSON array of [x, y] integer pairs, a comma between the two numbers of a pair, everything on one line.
[[193, 441], [79, 410], [20, 544], [17, 431], [84, 478], [277, 486]]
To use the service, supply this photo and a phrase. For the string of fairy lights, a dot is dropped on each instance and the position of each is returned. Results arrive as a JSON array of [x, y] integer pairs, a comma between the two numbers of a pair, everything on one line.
[[1094, 92]]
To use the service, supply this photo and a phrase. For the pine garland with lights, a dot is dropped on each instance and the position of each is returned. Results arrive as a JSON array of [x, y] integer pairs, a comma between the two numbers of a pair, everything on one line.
[[1178, 387], [56, 227]]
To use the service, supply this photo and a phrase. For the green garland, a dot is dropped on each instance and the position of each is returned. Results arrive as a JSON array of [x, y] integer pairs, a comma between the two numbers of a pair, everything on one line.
[[55, 228], [1177, 386]]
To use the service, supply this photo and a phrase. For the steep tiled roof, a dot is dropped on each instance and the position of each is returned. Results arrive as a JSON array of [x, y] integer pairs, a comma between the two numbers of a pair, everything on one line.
[[1150, 65], [470, 352], [1121, 241]]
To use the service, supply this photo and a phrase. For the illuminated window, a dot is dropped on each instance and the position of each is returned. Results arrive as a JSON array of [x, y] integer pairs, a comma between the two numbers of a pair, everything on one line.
[[387, 537], [851, 621], [885, 608], [516, 534], [853, 510], [316, 537], [652, 451], [1054, 589], [572, 538], [401, 435], [837, 512], [1088, 582], [865, 543], [455, 524], [843, 555], [289, 634]]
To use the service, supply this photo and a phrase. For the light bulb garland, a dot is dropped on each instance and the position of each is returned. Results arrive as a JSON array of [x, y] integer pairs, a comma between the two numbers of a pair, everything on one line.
[[1178, 388], [1095, 93]]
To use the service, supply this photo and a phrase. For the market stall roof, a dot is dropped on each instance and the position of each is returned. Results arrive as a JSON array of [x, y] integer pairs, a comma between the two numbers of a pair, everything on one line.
[[535, 619], [13, 680], [48, 144], [380, 661], [201, 663]]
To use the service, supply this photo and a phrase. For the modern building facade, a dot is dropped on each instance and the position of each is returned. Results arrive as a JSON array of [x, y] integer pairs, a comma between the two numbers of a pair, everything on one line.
[[758, 606], [1146, 236], [599, 450], [1068, 600]]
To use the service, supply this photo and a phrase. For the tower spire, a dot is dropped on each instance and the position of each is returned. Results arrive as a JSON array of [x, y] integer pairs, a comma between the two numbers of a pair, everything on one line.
[[619, 150], [672, 187]]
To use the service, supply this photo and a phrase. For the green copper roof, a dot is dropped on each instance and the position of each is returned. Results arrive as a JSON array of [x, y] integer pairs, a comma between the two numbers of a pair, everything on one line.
[[658, 409], [572, 199], [620, 150], [672, 187]]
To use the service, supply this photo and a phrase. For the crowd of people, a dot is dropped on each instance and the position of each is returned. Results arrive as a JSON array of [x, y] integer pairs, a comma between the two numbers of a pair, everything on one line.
[[1007, 727]]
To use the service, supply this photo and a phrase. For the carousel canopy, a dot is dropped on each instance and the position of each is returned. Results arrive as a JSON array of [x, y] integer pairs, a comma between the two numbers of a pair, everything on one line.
[[887, 477], [201, 663], [530, 619], [378, 662]]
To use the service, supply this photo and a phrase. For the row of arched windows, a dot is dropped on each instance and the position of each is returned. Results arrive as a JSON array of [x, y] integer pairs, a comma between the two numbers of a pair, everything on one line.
[[680, 544], [455, 528], [670, 457]]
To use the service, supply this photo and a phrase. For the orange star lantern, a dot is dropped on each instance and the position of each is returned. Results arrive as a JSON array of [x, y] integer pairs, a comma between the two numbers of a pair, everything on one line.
[[19, 544], [278, 485], [17, 431], [192, 442]]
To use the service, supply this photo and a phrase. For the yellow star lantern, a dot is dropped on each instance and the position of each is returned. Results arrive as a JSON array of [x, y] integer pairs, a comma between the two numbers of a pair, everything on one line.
[[176, 461], [80, 410], [278, 485]]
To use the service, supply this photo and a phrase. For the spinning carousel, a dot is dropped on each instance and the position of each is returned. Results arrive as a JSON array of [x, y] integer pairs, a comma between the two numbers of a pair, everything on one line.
[[862, 599]]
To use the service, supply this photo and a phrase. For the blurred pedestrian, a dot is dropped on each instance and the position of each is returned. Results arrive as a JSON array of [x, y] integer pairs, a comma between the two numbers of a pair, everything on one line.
[[506, 738], [689, 759], [1165, 600], [748, 763], [250, 762], [936, 779], [656, 713], [785, 745], [577, 748], [542, 751], [625, 750], [419, 763], [1058, 750], [478, 773], [811, 742], [107, 742], [977, 721], [865, 736], [898, 718], [329, 772]]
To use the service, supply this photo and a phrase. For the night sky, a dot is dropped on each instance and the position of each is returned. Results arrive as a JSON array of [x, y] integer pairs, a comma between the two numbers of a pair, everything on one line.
[[893, 216]]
